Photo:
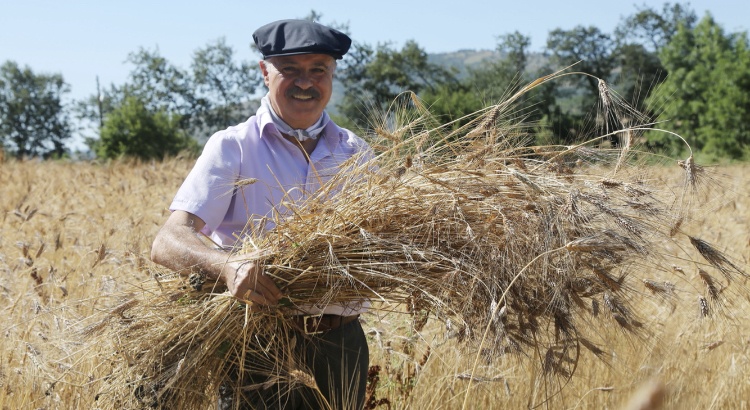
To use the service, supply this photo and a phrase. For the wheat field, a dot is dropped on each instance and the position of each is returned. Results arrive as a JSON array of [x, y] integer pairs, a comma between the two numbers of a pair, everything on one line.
[[75, 237]]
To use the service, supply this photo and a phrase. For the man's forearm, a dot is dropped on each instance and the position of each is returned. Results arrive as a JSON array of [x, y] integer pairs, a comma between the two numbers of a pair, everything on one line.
[[178, 246], [181, 249]]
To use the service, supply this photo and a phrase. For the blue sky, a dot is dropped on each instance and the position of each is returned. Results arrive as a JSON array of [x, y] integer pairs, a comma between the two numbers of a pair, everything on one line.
[[85, 39]]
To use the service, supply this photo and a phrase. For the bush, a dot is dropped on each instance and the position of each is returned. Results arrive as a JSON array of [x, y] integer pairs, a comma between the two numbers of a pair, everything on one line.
[[132, 130]]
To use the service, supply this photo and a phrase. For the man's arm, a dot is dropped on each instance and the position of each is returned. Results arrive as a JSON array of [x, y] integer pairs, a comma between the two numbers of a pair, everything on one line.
[[179, 247]]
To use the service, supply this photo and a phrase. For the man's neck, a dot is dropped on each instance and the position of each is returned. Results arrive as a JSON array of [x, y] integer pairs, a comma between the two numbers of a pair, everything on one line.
[[307, 146]]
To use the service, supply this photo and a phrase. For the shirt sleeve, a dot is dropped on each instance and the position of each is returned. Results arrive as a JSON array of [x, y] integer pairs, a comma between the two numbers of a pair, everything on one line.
[[208, 190]]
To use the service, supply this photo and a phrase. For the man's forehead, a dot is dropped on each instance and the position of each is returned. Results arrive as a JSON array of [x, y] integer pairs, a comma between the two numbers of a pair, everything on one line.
[[316, 59]]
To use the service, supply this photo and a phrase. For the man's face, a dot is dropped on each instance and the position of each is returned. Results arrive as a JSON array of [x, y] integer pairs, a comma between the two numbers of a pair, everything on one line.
[[299, 86]]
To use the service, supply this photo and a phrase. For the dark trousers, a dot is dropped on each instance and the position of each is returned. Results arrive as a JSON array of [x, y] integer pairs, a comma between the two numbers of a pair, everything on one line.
[[338, 359]]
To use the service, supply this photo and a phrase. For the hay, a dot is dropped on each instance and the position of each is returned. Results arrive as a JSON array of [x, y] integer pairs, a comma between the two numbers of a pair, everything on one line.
[[515, 248]]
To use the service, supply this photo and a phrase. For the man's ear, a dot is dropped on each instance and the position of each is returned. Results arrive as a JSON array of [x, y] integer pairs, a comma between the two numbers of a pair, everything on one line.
[[264, 71]]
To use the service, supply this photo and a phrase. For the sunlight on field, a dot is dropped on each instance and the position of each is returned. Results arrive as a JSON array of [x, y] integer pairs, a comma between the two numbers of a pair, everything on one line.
[[73, 236]]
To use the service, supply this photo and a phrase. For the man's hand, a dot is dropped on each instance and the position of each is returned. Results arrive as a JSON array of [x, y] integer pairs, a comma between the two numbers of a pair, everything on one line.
[[245, 280], [178, 247]]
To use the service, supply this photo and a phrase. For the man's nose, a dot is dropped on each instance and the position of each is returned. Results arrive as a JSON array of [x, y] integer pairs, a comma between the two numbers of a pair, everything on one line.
[[303, 81]]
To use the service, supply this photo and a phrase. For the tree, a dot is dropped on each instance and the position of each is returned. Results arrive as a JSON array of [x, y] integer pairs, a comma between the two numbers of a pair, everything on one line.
[[493, 80], [132, 130], [639, 71], [223, 86], [160, 85], [33, 120], [587, 47], [214, 93], [640, 37], [514, 46], [488, 84], [453, 103], [375, 76], [706, 96], [653, 28], [592, 52]]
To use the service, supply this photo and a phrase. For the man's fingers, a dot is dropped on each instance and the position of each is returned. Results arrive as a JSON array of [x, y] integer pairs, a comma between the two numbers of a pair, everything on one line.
[[264, 291], [253, 285], [257, 298], [268, 294], [268, 287]]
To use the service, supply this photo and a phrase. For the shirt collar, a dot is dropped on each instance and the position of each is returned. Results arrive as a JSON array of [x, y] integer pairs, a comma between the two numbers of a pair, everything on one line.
[[331, 134], [300, 134]]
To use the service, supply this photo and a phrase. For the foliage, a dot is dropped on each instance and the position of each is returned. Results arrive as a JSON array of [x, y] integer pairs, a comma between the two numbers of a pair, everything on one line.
[[373, 77], [158, 84], [33, 119], [133, 130], [706, 96], [654, 29], [492, 82], [640, 71], [589, 48], [628, 59], [639, 39], [453, 103], [222, 86], [214, 93]]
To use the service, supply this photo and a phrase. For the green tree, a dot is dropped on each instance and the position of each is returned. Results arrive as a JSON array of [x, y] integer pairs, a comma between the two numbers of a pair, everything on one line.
[[453, 103], [485, 85], [593, 53], [222, 85], [706, 96], [214, 93], [373, 77], [639, 71], [155, 82], [493, 80], [514, 46], [33, 120], [589, 48], [133, 130], [640, 37], [160, 85], [654, 29]]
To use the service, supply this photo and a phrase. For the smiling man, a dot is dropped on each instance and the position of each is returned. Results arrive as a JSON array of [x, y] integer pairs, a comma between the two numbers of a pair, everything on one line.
[[290, 146]]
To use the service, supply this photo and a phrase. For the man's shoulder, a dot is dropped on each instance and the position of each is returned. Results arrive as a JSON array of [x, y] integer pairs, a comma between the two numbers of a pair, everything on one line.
[[348, 137], [244, 134], [243, 130]]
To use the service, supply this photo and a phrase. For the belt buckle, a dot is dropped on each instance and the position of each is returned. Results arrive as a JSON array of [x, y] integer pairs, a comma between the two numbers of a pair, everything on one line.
[[305, 319]]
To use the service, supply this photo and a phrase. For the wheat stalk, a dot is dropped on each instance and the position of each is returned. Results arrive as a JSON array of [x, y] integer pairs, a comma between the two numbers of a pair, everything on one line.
[[514, 247]]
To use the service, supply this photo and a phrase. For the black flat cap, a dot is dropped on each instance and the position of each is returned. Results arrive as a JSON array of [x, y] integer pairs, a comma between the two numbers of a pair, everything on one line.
[[290, 37]]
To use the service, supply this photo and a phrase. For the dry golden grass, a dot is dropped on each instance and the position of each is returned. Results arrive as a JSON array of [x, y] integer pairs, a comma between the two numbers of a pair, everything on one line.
[[90, 326], [72, 236], [75, 235]]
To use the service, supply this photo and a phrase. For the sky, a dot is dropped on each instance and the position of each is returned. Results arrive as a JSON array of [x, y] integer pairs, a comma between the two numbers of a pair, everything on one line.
[[83, 39]]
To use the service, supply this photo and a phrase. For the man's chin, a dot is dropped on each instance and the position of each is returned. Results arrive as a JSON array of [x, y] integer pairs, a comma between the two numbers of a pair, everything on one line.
[[303, 116]]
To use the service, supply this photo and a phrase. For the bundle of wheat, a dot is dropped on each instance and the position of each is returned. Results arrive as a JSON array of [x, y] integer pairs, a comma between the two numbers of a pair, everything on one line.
[[513, 247]]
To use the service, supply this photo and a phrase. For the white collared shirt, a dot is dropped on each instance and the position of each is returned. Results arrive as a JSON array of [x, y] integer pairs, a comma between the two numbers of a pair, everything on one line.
[[255, 149]]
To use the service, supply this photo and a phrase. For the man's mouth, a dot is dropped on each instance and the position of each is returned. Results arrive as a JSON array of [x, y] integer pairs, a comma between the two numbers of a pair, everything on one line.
[[304, 95]]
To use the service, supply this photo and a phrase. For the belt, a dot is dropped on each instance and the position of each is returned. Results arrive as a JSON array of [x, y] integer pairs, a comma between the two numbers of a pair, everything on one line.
[[317, 324]]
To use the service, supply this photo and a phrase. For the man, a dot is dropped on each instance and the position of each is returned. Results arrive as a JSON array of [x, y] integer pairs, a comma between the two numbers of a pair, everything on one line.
[[290, 146]]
